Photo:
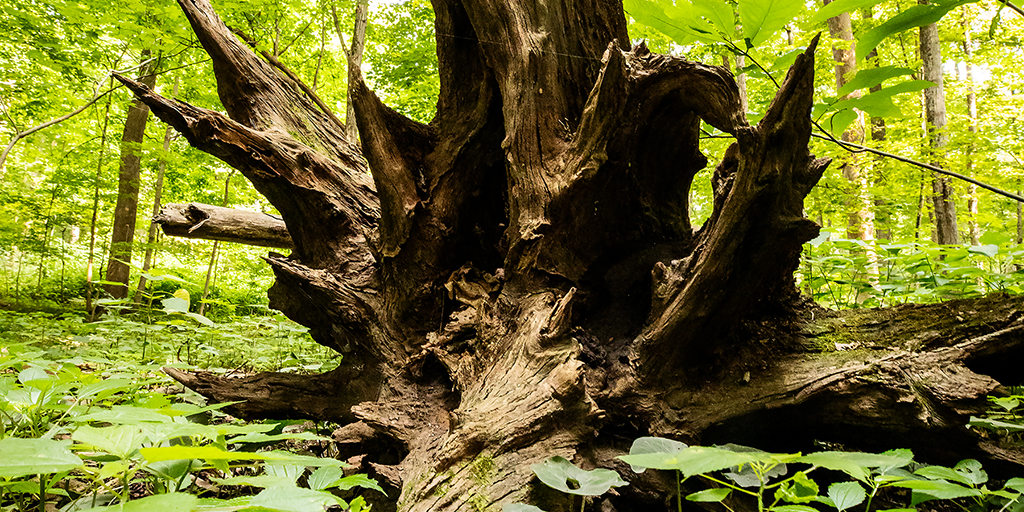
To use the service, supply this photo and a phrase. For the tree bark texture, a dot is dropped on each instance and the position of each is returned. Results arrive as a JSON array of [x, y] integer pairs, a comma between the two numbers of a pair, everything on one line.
[[943, 201], [860, 217], [519, 278], [122, 232]]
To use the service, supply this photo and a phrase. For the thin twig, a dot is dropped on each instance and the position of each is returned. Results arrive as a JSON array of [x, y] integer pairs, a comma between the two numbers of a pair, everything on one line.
[[857, 148]]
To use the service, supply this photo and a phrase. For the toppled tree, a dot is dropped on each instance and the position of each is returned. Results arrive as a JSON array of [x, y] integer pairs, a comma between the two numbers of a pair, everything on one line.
[[520, 278]]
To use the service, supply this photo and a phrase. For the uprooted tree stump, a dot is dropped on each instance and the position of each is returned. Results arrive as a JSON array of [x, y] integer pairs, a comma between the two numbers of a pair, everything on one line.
[[520, 277]]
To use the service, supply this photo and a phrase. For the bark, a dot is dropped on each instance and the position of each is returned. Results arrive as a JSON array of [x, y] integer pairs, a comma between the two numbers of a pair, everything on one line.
[[520, 278], [208, 222], [860, 218], [122, 231], [935, 115], [972, 113], [158, 189]]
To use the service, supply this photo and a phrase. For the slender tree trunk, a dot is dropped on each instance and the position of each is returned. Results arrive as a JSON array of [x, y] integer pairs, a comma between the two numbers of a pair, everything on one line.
[[944, 205], [860, 218], [972, 113], [158, 189], [216, 245], [97, 181], [354, 56], [122, 231]]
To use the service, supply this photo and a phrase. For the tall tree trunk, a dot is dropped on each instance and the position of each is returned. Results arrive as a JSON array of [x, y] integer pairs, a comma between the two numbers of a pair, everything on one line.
[[972, 113], [943, 201], [123, 227], [354, 56], [90, 307], [860, 218], [504, 290], [158, 190], [882, 214]]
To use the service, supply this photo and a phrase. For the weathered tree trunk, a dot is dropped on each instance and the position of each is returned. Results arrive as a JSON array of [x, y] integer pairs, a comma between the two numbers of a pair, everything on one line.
[[208, 222], [520, 278], [122, 231], [935, 115]]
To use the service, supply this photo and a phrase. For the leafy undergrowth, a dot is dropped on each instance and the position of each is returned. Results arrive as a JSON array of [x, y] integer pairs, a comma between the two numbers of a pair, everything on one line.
[[853, 273], [88, 420], [736, 477]]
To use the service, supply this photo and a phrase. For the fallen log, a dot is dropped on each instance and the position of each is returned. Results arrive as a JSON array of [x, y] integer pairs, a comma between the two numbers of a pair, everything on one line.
[[208, 222]]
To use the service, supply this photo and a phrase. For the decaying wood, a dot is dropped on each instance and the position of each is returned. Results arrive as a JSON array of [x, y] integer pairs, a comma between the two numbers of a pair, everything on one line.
[[520, 277], [208, 222]]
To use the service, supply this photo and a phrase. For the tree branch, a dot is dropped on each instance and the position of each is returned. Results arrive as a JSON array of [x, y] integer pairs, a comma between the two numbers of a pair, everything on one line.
[[208, 222]]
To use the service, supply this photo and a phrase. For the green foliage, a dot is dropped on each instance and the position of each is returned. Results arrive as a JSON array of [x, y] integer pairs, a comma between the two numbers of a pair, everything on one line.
[[781, 482], [1004, 419], [79, 432], [853, 273]]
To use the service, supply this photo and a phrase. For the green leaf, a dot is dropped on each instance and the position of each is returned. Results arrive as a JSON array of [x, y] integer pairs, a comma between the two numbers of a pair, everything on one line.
[[267, 438], [915, 16], [858, 464], [290, 498], [971, 469], [675, 21], [719, 13], [709, 495], [845, 495], [838, 7], [200, 318], [519, 507], [799, 489], [870, 77], [987, 250], [793, 508], [762, 18], [324, 478], [642, 445], [262, 481], [125, 415], [174, 502], [925, 490], [558, 473], [118, 440], [995, 424], [1017, 484], [695, 460], [175, 305], [358, 480], [24, 457]]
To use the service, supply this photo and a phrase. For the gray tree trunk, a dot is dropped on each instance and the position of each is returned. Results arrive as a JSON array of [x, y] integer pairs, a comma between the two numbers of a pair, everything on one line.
[[943, 198]]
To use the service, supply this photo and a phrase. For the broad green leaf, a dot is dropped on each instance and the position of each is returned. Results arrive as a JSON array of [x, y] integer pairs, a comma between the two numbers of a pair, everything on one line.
[[675, 21], [262, 481], [519, 507], [793, 508], [719, 13], [200, 318], [104, 388], [695, 460], [119, 440], [994, 238], [913, 17], [267, 438], [324, 478], [1016, 484], [798, 490], [293, 499], [643, 445], [357, 480], [124, 415], [971, 469], [845, 495], [925, 490], [24, 457], [995, 424], [858, 464], [558, 473], [1008, 403], [174, 502], [987, 250], [762, 18], [709, 495], [838, 7], [175, 305], [870, 77]]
